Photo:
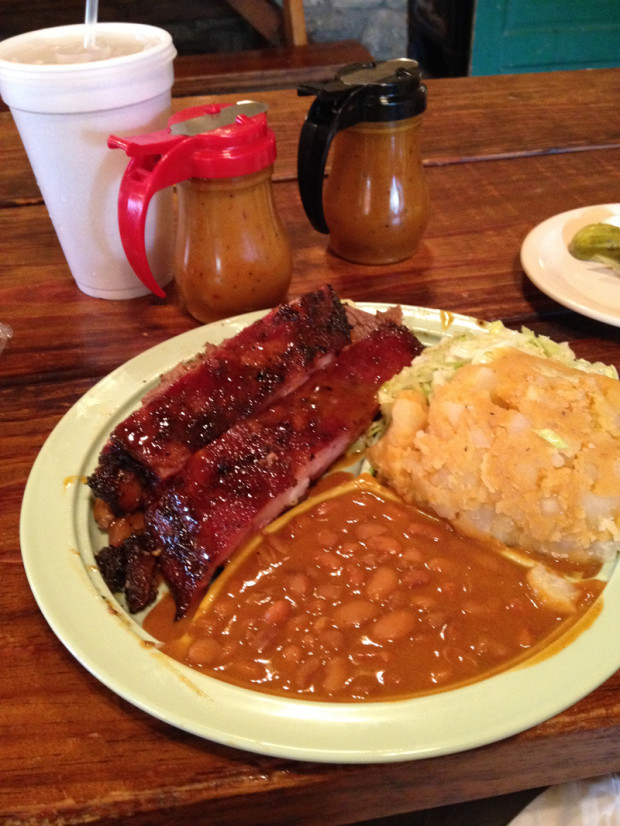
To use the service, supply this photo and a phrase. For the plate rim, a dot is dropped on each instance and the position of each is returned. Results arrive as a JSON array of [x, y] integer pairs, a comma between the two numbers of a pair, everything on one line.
[[410, 729]]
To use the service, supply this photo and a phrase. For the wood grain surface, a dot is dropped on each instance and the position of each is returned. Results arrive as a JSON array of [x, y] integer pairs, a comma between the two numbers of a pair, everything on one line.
[[501, 155]]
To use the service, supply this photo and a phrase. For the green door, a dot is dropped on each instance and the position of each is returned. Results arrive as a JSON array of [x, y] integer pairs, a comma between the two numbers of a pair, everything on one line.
[[512, 36]]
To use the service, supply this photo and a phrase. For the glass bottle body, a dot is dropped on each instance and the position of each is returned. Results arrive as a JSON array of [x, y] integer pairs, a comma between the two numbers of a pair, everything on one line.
[[232, 254], [375, 199]]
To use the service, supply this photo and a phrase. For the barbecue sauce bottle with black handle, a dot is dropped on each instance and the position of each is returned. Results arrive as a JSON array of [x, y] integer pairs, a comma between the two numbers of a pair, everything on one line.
[[374, 204]]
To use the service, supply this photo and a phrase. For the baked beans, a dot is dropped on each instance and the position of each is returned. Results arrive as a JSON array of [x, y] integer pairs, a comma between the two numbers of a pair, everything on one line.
[[355, 596]]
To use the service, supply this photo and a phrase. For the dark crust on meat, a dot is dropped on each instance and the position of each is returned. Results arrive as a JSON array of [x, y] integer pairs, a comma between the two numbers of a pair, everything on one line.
[[126, 484], [112, 564], [130, 568], [225, 490], [234, 380], [362, 322], [122, 482]]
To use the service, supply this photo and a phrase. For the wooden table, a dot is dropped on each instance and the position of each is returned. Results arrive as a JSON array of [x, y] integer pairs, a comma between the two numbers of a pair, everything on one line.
[[502, 154]]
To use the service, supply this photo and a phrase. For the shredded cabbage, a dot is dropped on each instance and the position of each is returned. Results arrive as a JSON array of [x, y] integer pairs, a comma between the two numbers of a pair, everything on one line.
[[439, 362], [554, 439]]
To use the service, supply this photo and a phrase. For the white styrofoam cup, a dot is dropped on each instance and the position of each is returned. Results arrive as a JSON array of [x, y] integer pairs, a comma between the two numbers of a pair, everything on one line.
[[64, 113]]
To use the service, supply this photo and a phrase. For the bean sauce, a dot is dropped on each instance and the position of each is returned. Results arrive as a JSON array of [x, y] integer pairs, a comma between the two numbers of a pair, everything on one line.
[[356, 596]]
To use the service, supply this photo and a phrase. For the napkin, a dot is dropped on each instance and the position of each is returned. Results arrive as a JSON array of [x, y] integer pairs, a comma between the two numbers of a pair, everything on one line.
[[592, 802]]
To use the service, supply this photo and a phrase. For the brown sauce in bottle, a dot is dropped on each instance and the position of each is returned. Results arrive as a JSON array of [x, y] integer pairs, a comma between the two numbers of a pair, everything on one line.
[[376, 199], [232, 253]]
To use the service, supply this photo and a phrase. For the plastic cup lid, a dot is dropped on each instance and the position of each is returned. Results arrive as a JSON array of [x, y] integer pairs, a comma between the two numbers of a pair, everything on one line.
[[87, 86]]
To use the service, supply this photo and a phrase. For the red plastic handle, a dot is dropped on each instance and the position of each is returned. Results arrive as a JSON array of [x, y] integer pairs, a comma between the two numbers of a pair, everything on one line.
[[162, 159], [157, 161]]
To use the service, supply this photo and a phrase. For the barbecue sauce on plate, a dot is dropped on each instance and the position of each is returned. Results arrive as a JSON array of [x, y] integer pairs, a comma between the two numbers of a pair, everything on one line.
[[357, 596]]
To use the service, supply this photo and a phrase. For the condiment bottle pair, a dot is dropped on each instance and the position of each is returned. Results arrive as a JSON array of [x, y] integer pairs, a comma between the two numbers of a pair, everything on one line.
[[232, 254], [374, 203]]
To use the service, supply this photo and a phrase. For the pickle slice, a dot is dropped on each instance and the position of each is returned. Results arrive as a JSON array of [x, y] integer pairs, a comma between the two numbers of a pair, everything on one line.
[[597, 242]]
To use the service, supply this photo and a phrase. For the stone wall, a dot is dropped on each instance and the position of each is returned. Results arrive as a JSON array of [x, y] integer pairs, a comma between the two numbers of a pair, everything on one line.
[[381, 25]]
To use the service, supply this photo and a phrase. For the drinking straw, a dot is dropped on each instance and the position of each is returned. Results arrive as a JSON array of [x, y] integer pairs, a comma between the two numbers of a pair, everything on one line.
[[90, 21]]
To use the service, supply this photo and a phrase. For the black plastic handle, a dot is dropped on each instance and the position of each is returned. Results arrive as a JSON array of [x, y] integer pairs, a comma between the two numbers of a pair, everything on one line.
[[377, 92], [333, 110]]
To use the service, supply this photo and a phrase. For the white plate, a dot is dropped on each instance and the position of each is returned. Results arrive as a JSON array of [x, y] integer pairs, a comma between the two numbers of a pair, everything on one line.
[[587, 287], [59, 540]]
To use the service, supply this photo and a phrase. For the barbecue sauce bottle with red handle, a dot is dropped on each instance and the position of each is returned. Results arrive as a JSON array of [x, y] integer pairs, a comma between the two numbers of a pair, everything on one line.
[[374, 203], [232, 253]]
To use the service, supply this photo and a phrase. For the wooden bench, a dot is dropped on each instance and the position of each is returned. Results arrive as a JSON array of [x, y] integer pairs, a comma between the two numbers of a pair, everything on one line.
[[273, 68], [289, 60]]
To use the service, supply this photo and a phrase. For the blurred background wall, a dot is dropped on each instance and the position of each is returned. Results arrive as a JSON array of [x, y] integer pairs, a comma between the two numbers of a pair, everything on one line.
[[380, 25], [204, 26], [449, 37]]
